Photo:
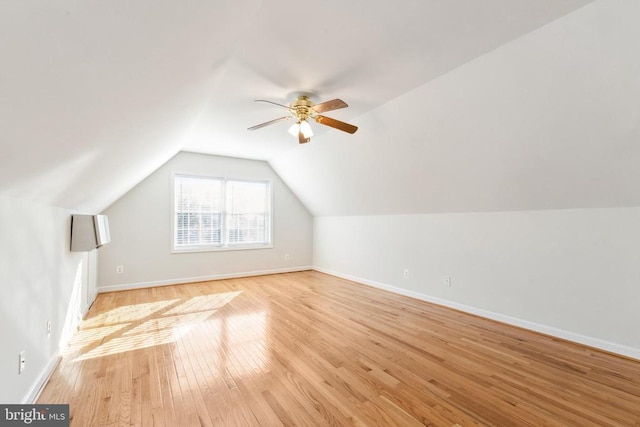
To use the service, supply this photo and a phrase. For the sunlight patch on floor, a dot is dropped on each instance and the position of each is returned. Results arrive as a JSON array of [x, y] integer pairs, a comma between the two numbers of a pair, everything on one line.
[[128, 313], [151, 333], [84, 338], [145, 325]]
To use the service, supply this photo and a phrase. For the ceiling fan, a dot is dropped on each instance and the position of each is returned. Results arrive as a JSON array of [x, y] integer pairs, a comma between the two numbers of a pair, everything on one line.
[[303, 109]]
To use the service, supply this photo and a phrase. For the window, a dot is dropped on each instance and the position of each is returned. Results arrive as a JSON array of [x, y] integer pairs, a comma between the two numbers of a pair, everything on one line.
[[218, 213]]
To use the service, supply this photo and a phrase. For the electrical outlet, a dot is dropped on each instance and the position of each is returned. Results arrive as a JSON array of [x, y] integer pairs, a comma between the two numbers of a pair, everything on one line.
[[287, 257], [120, 269], [447, 280], [22, 362], [406, 273], [49, 328]]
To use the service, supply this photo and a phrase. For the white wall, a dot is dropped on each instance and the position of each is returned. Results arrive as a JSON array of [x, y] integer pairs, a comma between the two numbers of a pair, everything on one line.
[[141, 230], [40, 280], [570, 273]]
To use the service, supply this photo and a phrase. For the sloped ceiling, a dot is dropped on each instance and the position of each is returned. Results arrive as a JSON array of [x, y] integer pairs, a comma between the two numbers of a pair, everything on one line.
[[462, 105], [96, 95], [548, 121]]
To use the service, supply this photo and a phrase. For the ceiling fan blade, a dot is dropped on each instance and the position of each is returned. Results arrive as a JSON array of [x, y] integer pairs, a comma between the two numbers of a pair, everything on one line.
[[274, 103], [302, 139], [328, 121], [334, 104], [270, 122]]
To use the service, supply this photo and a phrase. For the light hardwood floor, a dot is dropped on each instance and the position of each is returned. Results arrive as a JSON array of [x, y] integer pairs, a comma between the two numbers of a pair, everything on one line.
[[311, 349]]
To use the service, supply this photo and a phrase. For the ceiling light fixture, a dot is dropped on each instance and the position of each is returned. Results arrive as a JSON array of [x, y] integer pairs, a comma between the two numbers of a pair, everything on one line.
[[294, 129], [306, 129], [301, 126]]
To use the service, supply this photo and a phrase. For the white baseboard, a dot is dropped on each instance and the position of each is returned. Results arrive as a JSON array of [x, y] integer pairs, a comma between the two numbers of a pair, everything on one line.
[[140, 285], [620, 349], [46, 373]]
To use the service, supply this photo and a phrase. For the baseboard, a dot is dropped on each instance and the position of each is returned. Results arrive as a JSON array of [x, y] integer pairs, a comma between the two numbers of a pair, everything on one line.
[[46, 373], [607, 346], [140, 285]]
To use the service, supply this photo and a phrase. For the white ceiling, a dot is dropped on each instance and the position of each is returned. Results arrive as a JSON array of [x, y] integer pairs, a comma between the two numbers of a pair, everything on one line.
[[363, 52], [465, 105]]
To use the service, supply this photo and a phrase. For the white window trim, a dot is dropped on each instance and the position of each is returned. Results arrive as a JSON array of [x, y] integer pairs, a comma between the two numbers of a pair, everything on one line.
[[220, 248]]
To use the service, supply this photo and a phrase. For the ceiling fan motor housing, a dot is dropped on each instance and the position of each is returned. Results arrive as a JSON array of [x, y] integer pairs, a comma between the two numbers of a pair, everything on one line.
[[302, 107]]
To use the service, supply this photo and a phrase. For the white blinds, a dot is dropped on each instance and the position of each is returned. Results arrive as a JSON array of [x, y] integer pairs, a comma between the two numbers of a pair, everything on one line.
[[247, 212], [217, 212], [198, 210]]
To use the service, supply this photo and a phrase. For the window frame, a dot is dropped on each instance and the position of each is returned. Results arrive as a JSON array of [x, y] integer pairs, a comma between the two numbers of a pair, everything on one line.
[[224, 246]]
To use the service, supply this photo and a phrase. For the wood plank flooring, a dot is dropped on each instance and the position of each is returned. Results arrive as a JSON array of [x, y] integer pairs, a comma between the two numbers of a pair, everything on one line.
[[310, 349]]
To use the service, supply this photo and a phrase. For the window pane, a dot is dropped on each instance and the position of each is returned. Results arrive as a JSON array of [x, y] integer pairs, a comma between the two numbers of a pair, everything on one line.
[[248, 210], [198, 209]]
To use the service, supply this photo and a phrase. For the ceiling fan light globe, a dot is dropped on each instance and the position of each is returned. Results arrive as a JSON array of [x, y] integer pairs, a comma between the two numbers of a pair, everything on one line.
[[305, 128], [295, 129]]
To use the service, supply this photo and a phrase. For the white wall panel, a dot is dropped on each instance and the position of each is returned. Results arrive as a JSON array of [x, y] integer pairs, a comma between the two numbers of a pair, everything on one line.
[[40, 280], [576, 271]]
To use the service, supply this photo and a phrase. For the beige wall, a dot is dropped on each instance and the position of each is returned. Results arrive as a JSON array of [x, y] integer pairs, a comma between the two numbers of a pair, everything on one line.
[[141, 230]]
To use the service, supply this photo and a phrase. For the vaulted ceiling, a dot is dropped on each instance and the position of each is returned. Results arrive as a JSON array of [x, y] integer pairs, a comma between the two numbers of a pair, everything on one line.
[[462, 105]]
